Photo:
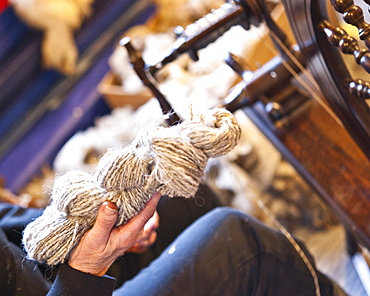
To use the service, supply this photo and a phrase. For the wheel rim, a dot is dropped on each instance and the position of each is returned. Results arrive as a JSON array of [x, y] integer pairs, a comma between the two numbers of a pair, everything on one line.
[[328, 68]]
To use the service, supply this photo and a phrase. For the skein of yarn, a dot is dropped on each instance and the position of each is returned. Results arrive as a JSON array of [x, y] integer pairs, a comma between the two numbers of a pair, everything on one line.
[[170, 160]]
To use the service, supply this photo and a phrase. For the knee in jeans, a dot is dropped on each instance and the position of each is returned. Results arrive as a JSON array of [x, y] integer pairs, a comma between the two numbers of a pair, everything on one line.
[[228, 215]]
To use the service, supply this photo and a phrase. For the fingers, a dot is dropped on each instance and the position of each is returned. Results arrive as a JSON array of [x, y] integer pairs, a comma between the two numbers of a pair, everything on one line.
[[144, 216], [108, 214], [134, 228], [148, 237], [106, 219], [103, 243], [144, 244], [151, 206], [153, 223]]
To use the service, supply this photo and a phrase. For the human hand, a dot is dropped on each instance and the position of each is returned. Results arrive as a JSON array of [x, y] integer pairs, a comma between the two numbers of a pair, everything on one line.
[[148, 238], [102, 244]]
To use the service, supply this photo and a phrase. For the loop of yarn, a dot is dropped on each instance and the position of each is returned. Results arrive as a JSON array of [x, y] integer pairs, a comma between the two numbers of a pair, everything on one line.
[[170, 160]]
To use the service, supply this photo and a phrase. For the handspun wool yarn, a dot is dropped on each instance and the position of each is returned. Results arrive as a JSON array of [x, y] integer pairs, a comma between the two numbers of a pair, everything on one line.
[[170, 160]]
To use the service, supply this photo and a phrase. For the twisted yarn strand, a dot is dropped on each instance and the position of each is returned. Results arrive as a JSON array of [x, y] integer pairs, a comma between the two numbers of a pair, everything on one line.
[[170, 160]]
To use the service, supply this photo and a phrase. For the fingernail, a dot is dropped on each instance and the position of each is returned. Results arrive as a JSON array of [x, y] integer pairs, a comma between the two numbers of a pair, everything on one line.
[[109, 211]]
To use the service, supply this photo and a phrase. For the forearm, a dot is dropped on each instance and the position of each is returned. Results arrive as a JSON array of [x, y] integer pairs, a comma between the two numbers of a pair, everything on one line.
[[70, 281]]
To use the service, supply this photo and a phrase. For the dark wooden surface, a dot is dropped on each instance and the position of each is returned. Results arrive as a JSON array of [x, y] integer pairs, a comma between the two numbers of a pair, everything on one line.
[[329, 160], [327, 67]]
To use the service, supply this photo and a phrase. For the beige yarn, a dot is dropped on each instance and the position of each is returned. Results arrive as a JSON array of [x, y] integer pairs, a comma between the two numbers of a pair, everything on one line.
[[170, 160]]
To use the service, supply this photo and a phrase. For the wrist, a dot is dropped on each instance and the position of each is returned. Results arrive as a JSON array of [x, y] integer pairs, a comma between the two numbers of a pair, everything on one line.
[[88, 268]]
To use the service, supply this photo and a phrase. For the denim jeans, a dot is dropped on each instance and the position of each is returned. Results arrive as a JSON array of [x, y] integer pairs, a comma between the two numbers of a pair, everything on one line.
[[226, 252]]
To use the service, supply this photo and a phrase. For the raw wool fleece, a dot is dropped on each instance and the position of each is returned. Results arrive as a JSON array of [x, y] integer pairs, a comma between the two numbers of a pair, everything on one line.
[[58, 20], [170, 160]]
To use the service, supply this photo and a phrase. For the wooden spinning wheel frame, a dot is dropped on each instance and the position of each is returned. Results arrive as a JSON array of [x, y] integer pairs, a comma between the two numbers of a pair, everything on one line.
[[326, 64], [338, 110], [328, 68]]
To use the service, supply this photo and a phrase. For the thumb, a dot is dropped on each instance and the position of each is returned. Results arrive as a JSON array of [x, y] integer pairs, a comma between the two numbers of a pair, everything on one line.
[[106, 219]]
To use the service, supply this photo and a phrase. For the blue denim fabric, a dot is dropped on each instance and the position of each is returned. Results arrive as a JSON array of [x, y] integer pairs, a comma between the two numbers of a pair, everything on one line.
[[226, 252]]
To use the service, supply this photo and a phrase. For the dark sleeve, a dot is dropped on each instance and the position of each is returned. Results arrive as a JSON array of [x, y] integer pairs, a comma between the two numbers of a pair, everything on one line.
[[13, 219], [70, 281], [17, 275]]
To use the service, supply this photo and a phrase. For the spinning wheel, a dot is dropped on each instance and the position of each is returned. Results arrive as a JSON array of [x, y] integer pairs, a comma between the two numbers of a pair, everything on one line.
[[321, 45], [346, 95], [324, 130]]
